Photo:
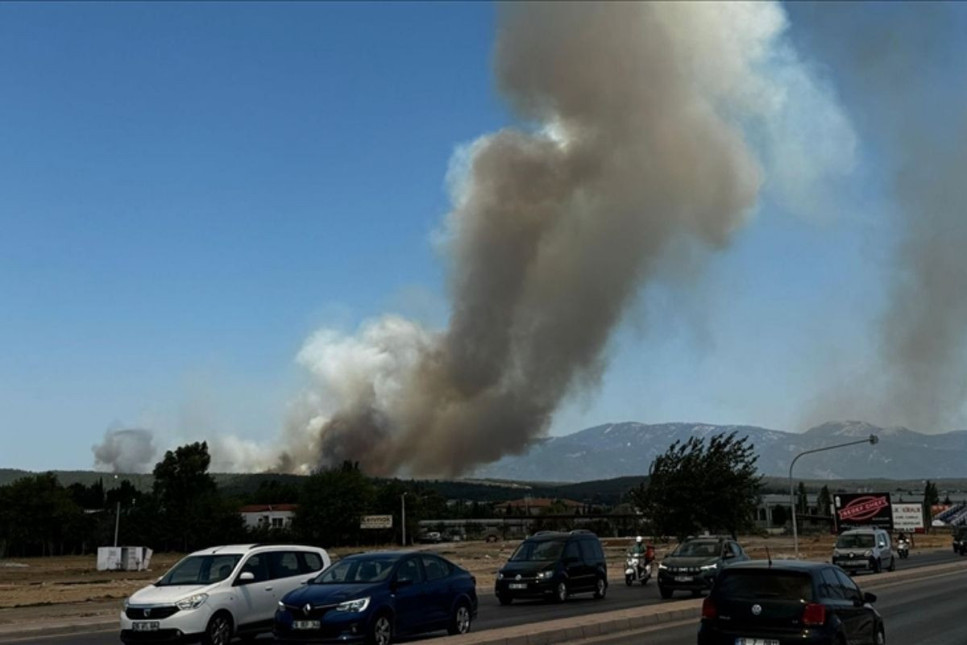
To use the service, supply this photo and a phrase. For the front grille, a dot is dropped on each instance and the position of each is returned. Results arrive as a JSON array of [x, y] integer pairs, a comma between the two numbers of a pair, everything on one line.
[[316, 613], [150, 613]]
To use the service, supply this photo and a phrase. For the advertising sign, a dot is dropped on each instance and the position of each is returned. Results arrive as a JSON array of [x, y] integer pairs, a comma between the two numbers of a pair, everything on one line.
[[376, 522], [908, 517], [862, 509]]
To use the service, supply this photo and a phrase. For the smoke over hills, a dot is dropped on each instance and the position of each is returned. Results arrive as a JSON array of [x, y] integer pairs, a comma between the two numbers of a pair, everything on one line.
[[639, 118]]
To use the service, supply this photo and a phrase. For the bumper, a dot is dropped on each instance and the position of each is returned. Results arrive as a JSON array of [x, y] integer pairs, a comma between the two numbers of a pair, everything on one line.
[[334, 627], [531, 588], [183, 627], [687, 581], [709, 635]]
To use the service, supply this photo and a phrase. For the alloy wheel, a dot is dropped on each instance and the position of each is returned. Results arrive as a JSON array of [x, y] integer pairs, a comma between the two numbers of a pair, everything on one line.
[[219, 630], [461, 621], [382, 631]]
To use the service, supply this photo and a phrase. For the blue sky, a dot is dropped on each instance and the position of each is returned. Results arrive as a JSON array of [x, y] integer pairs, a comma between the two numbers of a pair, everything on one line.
[[187, 191]]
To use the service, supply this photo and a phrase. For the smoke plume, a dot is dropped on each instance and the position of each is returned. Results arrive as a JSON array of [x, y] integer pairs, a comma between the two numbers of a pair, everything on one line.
[[640, 118], [125, 451]]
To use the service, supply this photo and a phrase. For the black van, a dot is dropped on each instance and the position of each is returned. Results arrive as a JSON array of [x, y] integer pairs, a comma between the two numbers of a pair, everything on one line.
[[551, 564]]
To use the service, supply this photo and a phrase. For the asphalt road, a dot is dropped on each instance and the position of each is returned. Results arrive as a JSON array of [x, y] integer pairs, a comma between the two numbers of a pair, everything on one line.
[[923, 612], [491, 615]]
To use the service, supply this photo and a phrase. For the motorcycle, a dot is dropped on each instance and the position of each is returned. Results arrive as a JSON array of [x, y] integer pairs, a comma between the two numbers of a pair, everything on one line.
[[638, 568], [903, 549]]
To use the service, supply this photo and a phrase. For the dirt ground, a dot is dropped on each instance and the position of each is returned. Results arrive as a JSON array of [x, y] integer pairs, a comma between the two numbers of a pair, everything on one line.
[[61, 587]]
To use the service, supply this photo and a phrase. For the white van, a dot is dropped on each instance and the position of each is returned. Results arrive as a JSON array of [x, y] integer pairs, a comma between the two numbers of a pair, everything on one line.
[[862, 549], [215, 594]]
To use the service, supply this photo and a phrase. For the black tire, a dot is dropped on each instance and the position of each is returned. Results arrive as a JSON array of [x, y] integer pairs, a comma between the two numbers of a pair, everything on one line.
[[877, 566], [219, 630], [461, 619], [665, 593], [504, 599], [629, 580], [892, 566], [600, 589], [380, 631], [561, 592]]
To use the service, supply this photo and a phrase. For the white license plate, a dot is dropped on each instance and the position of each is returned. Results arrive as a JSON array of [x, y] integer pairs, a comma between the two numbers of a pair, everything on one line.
[[306, 624], [683, 578], [150, 626], [518, 585], [756, 641]]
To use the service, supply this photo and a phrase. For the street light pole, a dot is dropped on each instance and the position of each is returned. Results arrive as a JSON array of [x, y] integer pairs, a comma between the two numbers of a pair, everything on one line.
[[403, 516], [872, 439]]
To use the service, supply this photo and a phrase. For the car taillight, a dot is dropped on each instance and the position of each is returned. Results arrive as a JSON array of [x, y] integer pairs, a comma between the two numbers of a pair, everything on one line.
[[708, 608], [814, 614]]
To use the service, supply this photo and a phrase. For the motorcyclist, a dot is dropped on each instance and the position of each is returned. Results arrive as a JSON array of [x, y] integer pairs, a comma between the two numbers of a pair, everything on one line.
[[639, 549]]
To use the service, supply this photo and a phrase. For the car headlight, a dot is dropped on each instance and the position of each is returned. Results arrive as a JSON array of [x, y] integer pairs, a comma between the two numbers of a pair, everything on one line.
[[192, 602], [662, 566], [869, 554], [710, 567], [500, 575], [125, 604], [545, 575], [360, 604]]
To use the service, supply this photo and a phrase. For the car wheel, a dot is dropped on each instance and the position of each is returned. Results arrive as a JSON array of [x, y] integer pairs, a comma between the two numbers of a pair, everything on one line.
[[560, 592], [880, 637], [219, 630], [892, 563], [877, 567], [504, 599], [665, 593], [380, 631], [600, 589], [460, 621]]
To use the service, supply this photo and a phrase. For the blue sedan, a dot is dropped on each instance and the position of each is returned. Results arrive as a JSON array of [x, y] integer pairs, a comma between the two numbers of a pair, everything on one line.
[[374, 597]]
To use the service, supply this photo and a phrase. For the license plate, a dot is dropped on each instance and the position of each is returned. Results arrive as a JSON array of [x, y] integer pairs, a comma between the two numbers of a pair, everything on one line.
[[756, 641], [306, 624], [518, 585], [683, 578], [151, 626]]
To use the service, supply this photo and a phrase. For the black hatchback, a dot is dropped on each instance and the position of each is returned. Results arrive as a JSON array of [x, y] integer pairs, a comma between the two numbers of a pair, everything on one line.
[[786, 602]]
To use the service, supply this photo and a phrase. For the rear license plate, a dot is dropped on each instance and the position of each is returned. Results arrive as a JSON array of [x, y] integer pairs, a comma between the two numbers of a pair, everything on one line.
[[683, 578], [518, 585], [150, 626], [306, 624], [756, 641]]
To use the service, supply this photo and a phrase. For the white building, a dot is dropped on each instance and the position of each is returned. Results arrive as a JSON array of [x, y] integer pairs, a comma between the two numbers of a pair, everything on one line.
[[271, 516]]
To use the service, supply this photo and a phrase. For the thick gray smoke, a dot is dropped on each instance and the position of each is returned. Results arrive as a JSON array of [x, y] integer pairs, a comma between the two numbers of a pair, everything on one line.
[[640, 116], [898, 68], [125, 451]]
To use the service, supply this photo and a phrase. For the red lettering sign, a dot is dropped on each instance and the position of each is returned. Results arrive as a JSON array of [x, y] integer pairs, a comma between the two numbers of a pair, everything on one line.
[[863, 508]]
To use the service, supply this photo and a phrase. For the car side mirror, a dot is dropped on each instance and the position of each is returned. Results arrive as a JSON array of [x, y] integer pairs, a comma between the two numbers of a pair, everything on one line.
[[245, 577], [869, 597]]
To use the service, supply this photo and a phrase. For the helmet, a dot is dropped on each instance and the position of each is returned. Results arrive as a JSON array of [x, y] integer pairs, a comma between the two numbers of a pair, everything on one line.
[[638, 539]]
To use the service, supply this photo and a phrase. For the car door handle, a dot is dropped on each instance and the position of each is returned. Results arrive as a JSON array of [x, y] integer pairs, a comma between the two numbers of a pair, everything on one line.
[[269, 588]]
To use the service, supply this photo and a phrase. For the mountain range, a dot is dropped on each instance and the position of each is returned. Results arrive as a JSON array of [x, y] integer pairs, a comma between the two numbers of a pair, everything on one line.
[[623, 449]]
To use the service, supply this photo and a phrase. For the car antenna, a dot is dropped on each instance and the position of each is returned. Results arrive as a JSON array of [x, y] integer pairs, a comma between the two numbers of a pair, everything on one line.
[[769, 557]]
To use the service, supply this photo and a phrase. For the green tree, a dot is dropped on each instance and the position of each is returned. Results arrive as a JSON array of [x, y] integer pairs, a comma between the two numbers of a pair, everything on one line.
[[331, 503], [193, 512], [824, 501], [931, 497], [39, 517], [694, 486], [802, 500]]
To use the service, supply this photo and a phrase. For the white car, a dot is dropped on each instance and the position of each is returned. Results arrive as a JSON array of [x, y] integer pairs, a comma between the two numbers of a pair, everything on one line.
[[218, 593]]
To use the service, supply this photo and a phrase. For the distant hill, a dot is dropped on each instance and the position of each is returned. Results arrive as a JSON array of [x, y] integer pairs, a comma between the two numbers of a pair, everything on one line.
[[627, 449]]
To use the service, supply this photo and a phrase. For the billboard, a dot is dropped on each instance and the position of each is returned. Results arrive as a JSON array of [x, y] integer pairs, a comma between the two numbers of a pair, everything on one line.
[[862, 509], [908, 517], [376, 522]]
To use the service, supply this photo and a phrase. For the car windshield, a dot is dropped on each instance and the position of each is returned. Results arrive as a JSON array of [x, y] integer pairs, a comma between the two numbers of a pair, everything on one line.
[[200, 570], [787, 585], [855, 541], [356, 571], [697, 549], [538, 550]]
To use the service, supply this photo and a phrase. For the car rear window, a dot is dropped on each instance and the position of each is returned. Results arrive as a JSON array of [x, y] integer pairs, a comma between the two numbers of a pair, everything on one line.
[[767, 583]]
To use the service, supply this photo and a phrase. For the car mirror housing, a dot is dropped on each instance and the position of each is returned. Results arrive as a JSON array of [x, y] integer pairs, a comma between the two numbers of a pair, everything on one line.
[[245, 577], [869, 597]]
